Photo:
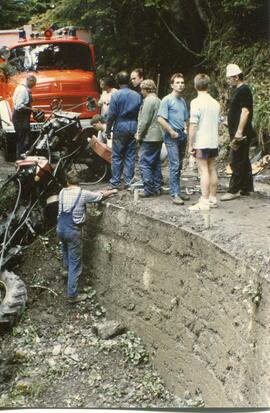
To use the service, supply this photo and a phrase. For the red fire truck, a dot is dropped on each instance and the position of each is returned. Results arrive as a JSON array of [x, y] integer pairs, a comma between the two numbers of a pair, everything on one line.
[[63, 62]]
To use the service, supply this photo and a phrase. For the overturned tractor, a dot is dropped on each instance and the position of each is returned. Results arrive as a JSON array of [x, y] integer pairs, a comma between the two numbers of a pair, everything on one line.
[[29, 197]]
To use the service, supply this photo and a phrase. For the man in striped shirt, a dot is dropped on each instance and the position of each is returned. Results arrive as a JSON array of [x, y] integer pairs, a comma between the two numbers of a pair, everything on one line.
[[71, 217]]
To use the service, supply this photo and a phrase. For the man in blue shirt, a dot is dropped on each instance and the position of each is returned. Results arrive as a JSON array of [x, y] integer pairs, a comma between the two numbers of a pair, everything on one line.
[[122, 116], [172, 116]]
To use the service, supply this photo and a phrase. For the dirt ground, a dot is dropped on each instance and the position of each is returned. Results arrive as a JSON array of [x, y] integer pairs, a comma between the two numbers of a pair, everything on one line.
[[53, 357]]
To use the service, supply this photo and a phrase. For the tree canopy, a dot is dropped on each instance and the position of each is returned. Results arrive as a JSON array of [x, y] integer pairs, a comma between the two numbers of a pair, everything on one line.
[[163, 36], [167, 34]]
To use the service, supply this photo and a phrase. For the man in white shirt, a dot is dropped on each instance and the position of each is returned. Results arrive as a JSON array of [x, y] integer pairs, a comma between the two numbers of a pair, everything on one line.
[[22, 100], [105, 98], [203, 141]]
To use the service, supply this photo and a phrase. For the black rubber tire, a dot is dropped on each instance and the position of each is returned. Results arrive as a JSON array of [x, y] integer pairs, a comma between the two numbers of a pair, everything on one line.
[[99, 175], [94, 173], [13, 297]]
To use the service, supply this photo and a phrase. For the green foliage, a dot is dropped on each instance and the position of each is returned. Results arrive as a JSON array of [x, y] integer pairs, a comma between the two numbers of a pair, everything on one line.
[[16, 13], [261, 119], [133, 349], [131, 33], [232, 6], [6, 70], [13, 13], [36, 7]]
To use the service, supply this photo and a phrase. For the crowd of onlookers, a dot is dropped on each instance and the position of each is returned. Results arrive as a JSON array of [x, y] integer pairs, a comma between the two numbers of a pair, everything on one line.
[[132, 113]]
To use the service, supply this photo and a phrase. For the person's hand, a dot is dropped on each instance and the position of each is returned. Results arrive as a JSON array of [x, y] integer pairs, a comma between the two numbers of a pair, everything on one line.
[[191, 150], [234, 145], [238, 135], [90, 141], [109, 193], [137, 137], [224, 121], [174, 135]]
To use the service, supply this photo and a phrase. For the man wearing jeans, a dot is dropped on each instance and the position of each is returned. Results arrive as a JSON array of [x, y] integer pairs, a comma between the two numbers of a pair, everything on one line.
[[172, 116], [71, 217], [150, 135], [122, 116]]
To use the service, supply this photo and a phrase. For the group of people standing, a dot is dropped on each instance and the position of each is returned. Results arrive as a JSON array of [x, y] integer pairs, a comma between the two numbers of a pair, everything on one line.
[[139, 115], [136, 114]]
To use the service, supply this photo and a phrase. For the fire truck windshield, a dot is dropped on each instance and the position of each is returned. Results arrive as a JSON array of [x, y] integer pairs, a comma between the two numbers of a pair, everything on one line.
[[51, 56]]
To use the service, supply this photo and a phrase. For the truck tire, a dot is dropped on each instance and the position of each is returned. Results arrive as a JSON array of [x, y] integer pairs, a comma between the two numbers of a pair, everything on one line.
[[13, 296]]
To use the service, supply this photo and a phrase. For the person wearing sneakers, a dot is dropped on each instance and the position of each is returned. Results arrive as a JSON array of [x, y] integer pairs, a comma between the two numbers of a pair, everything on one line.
[[241, 132], [150, 136], [203, 141], [71, 217], [172, 116]]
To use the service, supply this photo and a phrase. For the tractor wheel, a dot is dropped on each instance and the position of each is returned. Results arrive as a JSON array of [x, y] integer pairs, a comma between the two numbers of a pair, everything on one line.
[[13, 296]]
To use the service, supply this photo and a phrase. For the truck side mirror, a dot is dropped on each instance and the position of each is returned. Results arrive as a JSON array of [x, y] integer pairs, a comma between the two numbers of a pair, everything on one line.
[[4, 52], [56, 104], [91, 103]]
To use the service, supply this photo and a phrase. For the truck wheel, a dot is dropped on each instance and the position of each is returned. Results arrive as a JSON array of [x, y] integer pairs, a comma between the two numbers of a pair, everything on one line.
[[13, 296]]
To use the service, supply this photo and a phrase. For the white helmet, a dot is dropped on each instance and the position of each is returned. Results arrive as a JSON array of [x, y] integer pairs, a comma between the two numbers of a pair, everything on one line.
[[233, 70]]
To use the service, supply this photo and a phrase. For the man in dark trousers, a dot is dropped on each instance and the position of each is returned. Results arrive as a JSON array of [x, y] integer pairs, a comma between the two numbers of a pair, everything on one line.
[[122, 116], [241, 132], [22, 100], [71, 217]]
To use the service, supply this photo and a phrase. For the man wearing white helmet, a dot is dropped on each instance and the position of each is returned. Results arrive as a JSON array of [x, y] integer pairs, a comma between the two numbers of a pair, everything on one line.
[[241, 131]]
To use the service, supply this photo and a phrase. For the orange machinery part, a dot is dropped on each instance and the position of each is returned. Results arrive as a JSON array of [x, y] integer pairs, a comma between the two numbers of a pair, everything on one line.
[[101, 149]]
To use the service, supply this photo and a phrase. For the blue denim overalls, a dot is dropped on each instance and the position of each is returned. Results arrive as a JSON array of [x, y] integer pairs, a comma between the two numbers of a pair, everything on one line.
[[70, 236]]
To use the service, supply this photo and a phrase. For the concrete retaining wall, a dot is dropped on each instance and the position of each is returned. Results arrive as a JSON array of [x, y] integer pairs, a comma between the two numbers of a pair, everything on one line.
[[193, 304]]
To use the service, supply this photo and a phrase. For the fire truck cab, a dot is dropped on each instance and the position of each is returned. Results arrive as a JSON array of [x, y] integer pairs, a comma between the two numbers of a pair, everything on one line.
[[64, 66]]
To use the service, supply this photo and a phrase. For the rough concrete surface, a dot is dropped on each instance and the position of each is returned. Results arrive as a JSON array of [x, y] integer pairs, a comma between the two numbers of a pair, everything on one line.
[[202, 307]]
